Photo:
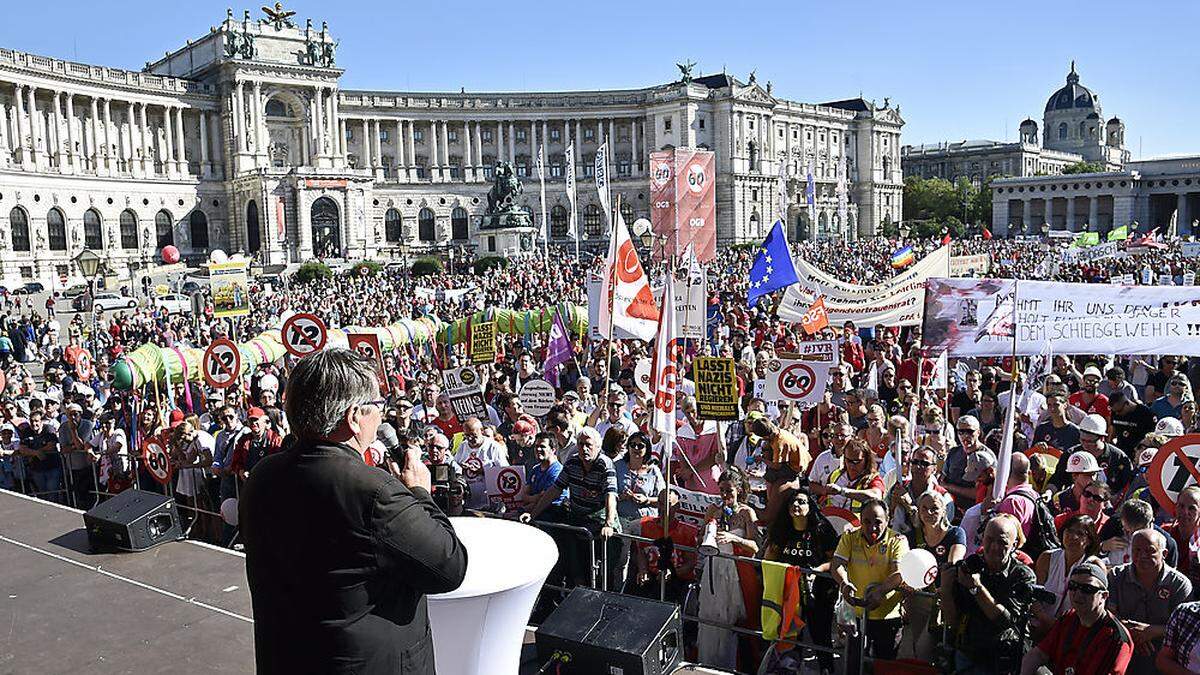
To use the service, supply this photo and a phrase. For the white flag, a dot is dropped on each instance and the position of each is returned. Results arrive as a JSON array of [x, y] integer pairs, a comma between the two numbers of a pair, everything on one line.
[[569, 158], [810, 197], [540, 165], [843, 191], [602, 179], [626, 300], [665, 374], [781, 193]]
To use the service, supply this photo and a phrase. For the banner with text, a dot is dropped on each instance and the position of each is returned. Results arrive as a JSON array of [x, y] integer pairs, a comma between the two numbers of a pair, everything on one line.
[[230, 287], [464, 387], [1091, 253], [978, 265], [896, 302], [975, 317], [716, 388], [683, 207], [483, 342]]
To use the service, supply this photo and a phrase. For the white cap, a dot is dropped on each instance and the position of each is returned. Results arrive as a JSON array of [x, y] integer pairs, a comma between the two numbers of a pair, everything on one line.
[[1146, 456], [1094, 424], [1082, 462], [1093, 370], [1169, 426]]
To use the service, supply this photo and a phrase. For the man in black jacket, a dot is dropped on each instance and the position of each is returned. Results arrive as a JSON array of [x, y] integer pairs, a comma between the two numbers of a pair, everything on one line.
[[340, 555]]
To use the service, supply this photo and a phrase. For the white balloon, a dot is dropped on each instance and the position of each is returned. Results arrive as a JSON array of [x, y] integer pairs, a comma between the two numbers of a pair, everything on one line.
[[918, 568], [218, 256], [229, 511]]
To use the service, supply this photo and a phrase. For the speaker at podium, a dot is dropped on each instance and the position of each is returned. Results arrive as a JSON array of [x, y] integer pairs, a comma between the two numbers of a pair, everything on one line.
[[479, 628]]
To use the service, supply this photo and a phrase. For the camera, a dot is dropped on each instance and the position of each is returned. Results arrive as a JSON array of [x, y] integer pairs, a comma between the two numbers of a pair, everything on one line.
[[1039, 593], [973, 564]]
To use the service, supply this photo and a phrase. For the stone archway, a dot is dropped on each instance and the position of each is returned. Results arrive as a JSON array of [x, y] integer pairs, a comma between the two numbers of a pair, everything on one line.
[[326, 219]]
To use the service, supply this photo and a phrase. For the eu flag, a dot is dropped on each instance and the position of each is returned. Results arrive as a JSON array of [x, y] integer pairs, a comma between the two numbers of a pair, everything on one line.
[[773, 268]]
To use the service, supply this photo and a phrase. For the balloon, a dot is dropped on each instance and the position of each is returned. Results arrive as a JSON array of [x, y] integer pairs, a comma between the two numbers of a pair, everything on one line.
[[218, 256], [170, 255], [229, 511], [918, 568]]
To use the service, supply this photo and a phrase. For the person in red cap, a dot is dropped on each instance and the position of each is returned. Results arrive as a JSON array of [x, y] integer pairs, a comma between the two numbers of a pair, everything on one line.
[[252, 447]]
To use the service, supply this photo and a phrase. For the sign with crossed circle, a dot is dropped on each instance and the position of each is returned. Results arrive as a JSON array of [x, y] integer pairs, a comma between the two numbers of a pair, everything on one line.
[[304, 334], [222, 363]]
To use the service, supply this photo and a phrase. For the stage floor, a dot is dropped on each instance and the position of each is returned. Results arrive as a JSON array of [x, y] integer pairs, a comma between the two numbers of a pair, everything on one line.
[[179, 607]]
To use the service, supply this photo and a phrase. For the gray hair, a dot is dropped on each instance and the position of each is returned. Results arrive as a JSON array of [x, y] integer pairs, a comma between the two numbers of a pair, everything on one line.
[[589, 433], [323, 386]]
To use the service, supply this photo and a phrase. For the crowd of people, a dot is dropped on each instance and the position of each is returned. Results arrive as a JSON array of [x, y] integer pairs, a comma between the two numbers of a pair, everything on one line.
[[1077, 567]]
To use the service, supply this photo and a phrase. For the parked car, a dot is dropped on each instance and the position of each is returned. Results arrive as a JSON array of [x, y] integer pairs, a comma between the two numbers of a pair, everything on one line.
[[190, 287], [29, 288], [174, 303], [105, 302]]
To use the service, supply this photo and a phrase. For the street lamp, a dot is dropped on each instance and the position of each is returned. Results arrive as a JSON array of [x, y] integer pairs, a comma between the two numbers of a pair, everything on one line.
[[89, 262]]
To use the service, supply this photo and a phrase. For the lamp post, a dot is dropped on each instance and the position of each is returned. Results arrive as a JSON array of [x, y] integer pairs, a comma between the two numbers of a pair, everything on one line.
[[89, 262]]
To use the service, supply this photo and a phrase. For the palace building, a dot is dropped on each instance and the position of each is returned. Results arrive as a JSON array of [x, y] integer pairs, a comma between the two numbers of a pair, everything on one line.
[[243, 140]]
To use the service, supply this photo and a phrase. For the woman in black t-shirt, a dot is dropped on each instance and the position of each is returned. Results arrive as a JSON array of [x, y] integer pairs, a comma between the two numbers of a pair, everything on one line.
[[804, 537]]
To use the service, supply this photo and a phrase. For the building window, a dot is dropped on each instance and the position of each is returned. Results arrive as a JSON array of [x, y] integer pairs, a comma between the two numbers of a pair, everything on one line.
[[458, 224], [701, 120], [589, 166], [455, 167], [491, 244], [559, 220], [93, 235], [425, 228], [555, 134], [349, 132], [164, 228], [627, 212], [522, 134], [383, 135], [522, 166], [489, 168], [392, 226], [386, 162], [591, 221], [781, 132], [18, 221], [418, 135], [1062, 131], [624, 165], [422, 171], [589, 134], [129, 239], [666, 125], [556, 166], [487, 135], [808, 135], [198, 224], [451, 136]]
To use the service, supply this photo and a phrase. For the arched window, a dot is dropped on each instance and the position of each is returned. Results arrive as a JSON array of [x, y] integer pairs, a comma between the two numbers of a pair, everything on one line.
[[18, 221], [129, 229], [559, 220], [425, 228], [198, 228], [458, 224], [253, 229], [1062, 131], [93, 235], [591, 221], [276, 108], [56, 230], [627, 213], [393, 231], [164, 228], [326, 218]]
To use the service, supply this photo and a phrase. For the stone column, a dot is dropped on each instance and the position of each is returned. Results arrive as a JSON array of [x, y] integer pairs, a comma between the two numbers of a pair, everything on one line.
[[239, 118], [1027, 216], [147, 163], [468, 167], [478, 151], [94, 135], [444, 145], [108, 154], [205, 164], [533, 146], [31, 111], [133, 161], [435, 168], [499, 152], [636, 167], [1183, 222], [256, 119], [364, 157], [57, 116], [412, 148], [378, 154], [401, 156], [316, 126], [5, 148], [22, 126], [1071, 214], [1094, 213], [218, 149], [341, 142], [512, 143]]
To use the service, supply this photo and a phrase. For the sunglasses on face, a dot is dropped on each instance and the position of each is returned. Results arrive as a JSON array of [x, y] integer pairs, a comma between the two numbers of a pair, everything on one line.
[[921, 464], [964, 431], [1093, 496], [1086, 589], [860, 460]]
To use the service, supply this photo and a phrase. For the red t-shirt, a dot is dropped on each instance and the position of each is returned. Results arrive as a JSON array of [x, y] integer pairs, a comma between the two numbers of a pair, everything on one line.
[[1103, 649], [1099, 404], [448, 427], [682, 534]]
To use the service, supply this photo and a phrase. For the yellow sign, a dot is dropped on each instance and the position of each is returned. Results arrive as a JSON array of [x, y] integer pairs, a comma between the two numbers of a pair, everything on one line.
[[716, 388], [483, 342], [230, 286]]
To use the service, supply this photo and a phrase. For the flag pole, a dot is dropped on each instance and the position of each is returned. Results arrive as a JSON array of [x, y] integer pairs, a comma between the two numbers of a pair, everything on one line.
[[612, 281]]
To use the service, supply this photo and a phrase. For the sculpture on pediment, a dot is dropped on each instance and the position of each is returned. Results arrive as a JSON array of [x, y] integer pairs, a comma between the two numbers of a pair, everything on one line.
[[328, 49], [887, 101], [277, 16], [685, 70], [753, 77], [239, 44], [312, 52]]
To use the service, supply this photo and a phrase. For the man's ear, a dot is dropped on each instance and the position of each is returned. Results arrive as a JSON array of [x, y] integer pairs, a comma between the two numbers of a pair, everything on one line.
[[350, 418]]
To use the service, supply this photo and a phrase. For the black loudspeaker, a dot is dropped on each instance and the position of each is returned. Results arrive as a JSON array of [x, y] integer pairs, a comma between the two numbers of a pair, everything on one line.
[[134, 520], [604, 633]]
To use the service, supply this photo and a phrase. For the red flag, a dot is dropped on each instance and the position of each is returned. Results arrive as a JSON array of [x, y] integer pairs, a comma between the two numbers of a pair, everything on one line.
[[987, 234], [946, 240], [815, 318]]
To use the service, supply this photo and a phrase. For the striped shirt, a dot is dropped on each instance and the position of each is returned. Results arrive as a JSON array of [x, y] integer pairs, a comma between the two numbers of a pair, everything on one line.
[[588, 487]]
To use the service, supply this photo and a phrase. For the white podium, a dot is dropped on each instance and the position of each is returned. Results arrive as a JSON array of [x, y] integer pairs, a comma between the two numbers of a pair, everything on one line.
[[479, 628]]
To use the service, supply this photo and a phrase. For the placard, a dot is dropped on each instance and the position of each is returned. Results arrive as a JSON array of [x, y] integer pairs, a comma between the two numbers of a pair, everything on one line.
[[977, 265], [483, 342], [797, 381], [156, 460], [230, 287], [504, 485], [818, 351], [538, 397], [465, 389], [1173, 469], [716, 388], [222, 363], [367, 344], [303, 334]]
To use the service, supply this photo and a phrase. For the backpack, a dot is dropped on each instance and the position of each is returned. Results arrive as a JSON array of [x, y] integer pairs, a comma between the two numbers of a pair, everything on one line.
[[1043, 536]]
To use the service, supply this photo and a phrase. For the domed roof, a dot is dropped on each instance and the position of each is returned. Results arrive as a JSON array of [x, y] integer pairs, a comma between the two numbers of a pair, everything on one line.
[[1028, 121], [1074, 95], [1115, 120], [1093, 115]]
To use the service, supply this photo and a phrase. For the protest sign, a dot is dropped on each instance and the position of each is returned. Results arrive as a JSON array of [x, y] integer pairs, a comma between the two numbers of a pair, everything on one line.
[[797, 381], [537, 397], [483, 342], [1165, 280], [504, 485], [1189, 278], [465, 390], [820, 351], [975, 317], [1173, 469], [230, 288], [977, 265], [1091, 253], [716, 388], [368, 345], [896, 302], [1190, 249]]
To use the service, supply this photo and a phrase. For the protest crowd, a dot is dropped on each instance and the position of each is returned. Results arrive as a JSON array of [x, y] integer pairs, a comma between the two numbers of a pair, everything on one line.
[[1054, 543]]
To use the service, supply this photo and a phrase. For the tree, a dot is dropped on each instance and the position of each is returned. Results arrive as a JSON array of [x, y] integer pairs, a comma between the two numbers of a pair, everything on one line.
[[482, 265], [313, 270], [1083, 167], [424, 266]]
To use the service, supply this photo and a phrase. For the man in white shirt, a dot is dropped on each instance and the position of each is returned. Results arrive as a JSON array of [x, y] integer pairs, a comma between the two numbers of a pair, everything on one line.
[[476, 453], [830, 460]]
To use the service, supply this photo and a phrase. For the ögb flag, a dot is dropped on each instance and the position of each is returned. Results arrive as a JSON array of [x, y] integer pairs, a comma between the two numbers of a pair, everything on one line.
[[683, 201], [625, 297], [665, 378], [815, 318]]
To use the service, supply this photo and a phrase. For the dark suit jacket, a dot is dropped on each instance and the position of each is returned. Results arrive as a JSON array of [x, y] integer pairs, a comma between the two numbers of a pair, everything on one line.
[[339, 557]]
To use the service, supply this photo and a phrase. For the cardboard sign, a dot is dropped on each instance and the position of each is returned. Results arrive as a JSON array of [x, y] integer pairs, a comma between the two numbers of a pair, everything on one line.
[[222, 363], [1173, 469], [464, 387], [156, 460], [538, 397], [504, 485], [819, 351], [83, 365], [230, 286], [797, 381], [303, 334], [483, 342], [716, 388], [367, 344]]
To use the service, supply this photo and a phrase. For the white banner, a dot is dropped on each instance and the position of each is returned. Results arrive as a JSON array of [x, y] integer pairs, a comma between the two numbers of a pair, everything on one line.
[[978, 265], [602, 180], [569, 161], [441, 294], [797, 381], [821, 351], [594, 291], [973, 317], [1099, 252], [896, 302], [1190, 249]]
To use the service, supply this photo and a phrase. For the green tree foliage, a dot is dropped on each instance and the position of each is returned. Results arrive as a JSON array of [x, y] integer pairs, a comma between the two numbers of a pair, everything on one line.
[[482, 265], [312, 271], [425, 266], [934, 206], [1084, 167], [367, 268]]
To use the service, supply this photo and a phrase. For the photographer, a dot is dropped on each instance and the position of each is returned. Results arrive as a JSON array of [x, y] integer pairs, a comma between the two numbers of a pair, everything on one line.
[[1088, 639], [985, 603]]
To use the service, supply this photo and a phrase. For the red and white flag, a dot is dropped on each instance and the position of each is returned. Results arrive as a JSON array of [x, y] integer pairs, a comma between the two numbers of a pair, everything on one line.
[[665, 371], [815, 318], [627, 302]]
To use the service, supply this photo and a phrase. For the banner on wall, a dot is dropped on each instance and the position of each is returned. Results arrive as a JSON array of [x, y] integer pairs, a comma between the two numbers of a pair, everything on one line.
[[976, 317], [683, 207], [896, 302], [230, 286]]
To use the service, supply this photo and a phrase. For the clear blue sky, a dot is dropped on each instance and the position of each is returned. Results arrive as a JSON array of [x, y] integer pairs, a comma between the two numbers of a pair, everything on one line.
[[958, 69]]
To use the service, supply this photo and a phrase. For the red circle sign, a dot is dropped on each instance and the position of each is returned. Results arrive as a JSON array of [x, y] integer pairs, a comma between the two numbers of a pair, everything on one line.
[[841, 519], [156, 460], [508, 481], [1173, 469], [222, 363], [303, 334], [83, 365], [797, 381]]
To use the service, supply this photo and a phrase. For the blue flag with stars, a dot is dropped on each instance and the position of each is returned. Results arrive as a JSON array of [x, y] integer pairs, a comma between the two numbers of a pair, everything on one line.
[[773, 269]]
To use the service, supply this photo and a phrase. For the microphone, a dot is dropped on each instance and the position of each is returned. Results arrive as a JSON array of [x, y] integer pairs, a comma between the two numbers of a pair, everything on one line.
[[386, 434]]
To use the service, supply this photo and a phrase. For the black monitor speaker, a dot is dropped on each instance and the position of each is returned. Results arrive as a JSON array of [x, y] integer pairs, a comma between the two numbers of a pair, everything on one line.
[[603, 633], [133, 520]]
